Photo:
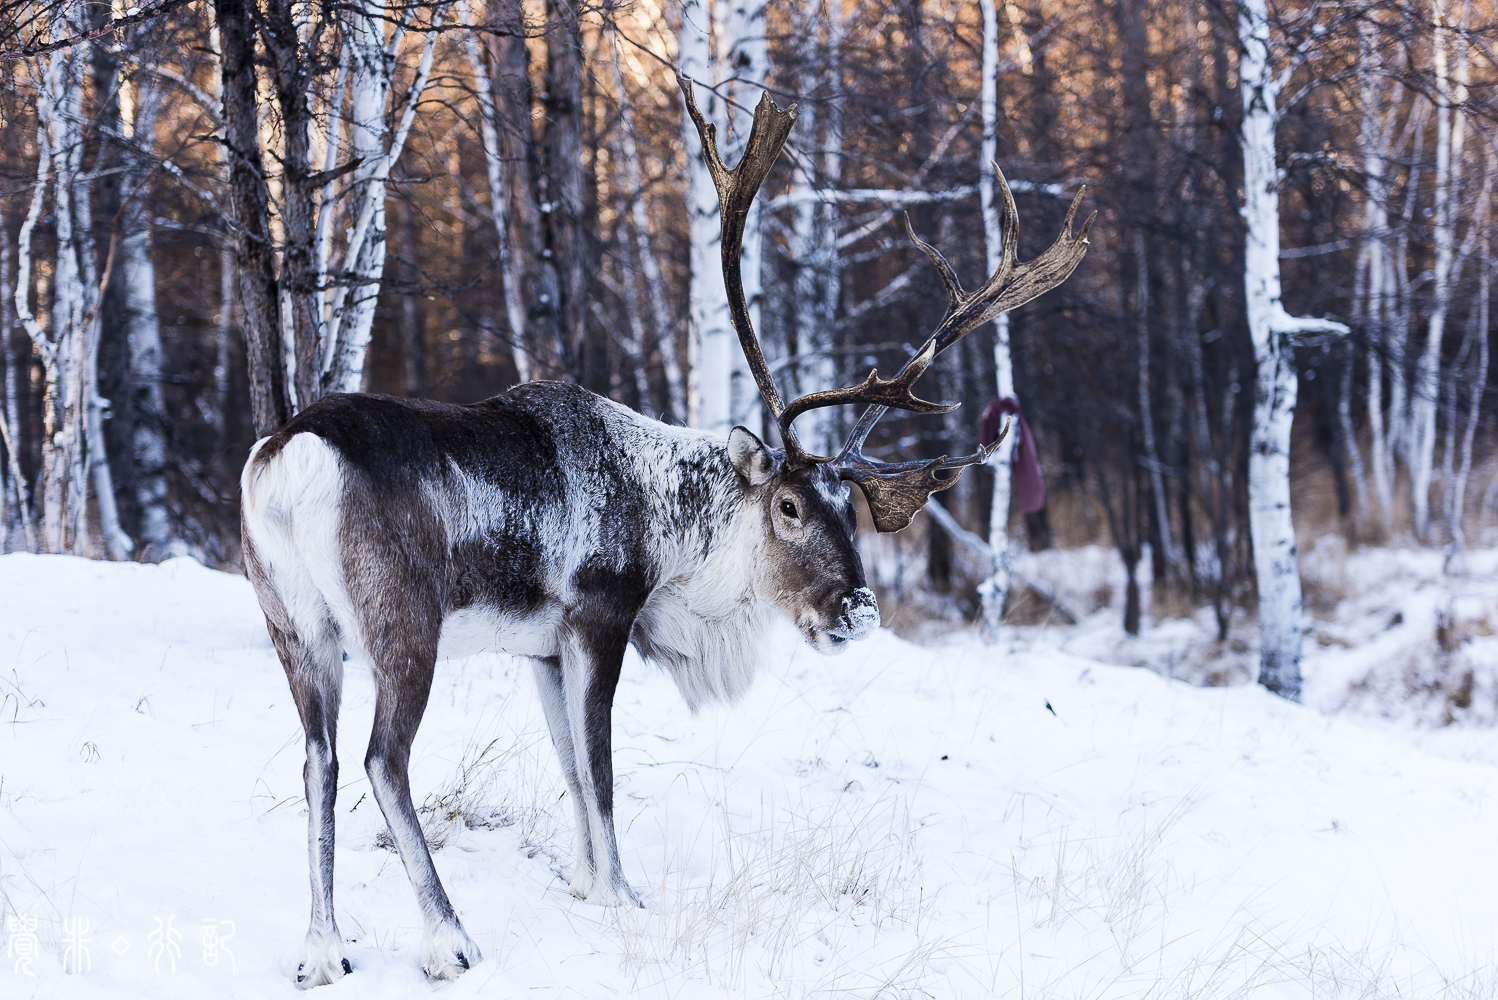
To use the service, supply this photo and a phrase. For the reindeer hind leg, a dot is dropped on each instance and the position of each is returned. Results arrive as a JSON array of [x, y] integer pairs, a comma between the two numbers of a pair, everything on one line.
[[403, 671], [314, 668]]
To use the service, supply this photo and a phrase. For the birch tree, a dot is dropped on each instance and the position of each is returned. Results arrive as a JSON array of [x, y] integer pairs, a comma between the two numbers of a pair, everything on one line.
[[249, 211], [710, 338], [1477, 375], [499, 211], [812, 240], [376, 147], [1272, 330], [562, 185], [743, 53], [1450, 96], [70, 396], [1375, 269], [995, 589], [143, 334], [128, 97], [294, 292], [15, 505], [643, 247]]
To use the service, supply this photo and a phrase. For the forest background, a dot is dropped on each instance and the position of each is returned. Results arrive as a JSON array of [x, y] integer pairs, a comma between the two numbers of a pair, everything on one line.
[[213, 214]]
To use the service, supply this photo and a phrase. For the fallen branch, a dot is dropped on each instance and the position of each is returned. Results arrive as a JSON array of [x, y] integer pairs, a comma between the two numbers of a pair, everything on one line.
[[944, 520]]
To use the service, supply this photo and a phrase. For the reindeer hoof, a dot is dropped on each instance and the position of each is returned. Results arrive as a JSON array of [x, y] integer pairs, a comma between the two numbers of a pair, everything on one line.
[[616, 894], [447, 952], [322, 961]]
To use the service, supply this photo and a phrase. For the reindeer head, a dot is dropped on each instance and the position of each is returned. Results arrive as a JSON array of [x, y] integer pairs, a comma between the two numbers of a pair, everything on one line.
[[810, 513], [809, 566]]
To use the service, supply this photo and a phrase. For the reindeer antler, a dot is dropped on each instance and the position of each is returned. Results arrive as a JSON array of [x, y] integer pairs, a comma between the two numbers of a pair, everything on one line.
[[736, 191], [1009, 287], [895, 490]]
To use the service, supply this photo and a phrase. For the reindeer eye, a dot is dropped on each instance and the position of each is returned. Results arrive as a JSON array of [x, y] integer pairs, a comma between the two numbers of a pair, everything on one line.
[[787, 508]]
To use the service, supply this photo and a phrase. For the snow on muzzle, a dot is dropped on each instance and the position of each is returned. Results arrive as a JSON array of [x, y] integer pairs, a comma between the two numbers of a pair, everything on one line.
[[860, 616]]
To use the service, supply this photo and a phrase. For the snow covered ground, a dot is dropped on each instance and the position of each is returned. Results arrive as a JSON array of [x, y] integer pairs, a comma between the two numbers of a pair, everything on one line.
[[949, 821]]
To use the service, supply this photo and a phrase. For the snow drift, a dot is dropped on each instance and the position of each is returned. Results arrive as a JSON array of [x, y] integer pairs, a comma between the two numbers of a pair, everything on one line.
[[956, 821]]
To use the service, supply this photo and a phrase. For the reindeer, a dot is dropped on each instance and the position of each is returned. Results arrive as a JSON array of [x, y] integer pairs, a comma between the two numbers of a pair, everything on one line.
[[552, 524]]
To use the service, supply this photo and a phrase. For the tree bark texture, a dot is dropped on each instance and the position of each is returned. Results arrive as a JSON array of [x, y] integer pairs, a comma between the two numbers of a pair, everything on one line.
[[564, 196], [249, 200]]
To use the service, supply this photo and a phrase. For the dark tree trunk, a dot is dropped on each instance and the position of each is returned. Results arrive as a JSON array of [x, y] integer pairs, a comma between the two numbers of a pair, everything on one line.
[[939, 558], [1159, 568], [116, 381], [1038, 531], [539, 290], [413, 345], [562, 184], [1131, 591], [250, 219], [1188, 525], [291, 76]]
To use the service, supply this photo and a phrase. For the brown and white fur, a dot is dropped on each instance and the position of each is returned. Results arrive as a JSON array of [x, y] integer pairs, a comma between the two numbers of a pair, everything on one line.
[[546, 522]]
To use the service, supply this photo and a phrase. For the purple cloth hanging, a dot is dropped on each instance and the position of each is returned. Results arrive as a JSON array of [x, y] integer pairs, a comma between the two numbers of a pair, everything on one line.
[[1029, 487]]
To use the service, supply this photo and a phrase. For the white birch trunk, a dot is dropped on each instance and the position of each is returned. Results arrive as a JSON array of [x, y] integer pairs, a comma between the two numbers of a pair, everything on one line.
[[93, 457], [69, 308], [59, 148], [370, 71], [143, 331], [1478, 379], [1270, 329], [227, 278], [1450, 135], [499, 206], [644, 251], [1146, 411], [812, 242], [117, 544], [995, 589], [1397, 285], [1373, 142], [10, 495], [742, 50], [814, 369], [372, 67], [1375, 310], [323, 242], [44, 345], [711, 339], [17, 500]]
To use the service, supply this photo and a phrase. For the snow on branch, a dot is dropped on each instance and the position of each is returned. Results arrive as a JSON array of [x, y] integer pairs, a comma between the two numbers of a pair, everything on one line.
[[1315, 251], [1282, 322], [827, 196]]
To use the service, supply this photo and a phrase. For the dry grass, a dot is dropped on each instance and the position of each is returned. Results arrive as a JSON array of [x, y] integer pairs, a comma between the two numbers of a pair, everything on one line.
[[831, 902], [1118, 898], [15, 702], [503, 781]]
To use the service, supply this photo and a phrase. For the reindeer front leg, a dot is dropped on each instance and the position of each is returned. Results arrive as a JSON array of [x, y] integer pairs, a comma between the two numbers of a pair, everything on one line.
[[580, 716], [548, 672]]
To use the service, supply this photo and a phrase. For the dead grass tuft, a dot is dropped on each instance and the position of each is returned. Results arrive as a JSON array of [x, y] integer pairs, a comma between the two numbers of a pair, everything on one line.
[[789, 898], [497, 784]]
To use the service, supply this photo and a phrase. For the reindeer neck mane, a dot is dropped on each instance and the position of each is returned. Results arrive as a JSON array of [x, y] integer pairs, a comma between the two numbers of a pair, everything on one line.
[[704, 624]]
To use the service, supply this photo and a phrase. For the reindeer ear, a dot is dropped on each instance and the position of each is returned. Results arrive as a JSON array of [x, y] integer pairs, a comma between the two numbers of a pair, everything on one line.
[[750, 458]]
